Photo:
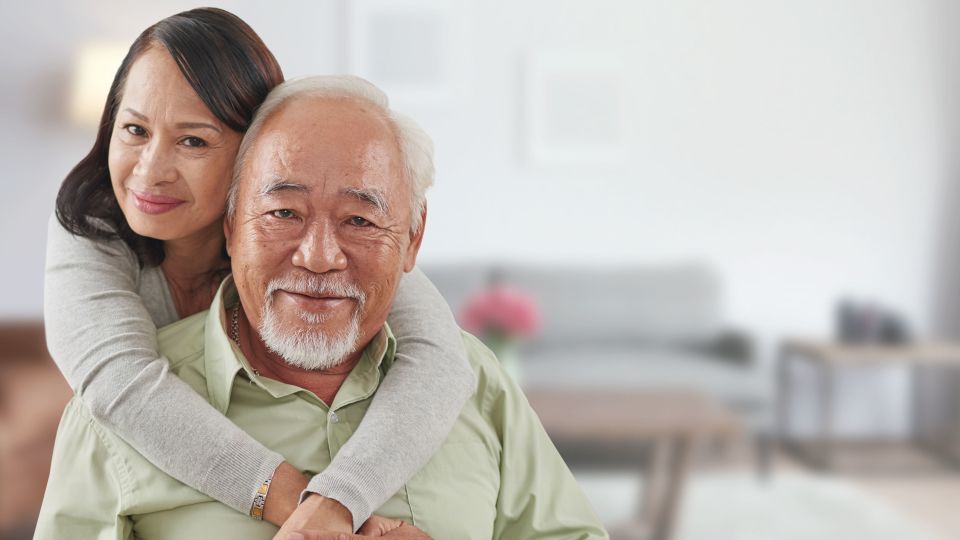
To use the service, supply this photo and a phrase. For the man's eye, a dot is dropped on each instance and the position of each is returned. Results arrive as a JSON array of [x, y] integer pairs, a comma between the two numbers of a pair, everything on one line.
[[358, 221], [194, 142], [135, 130], [283, 213]]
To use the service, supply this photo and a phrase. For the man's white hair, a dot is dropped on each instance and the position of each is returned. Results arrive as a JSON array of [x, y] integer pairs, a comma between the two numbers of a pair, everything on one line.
[[416, 148]]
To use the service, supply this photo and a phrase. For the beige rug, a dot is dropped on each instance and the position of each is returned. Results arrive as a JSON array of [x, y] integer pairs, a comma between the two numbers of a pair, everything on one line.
[[791, 506]]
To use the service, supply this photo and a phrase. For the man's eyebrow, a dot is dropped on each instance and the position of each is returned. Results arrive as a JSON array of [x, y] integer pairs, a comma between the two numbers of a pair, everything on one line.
[[280, 184], [372, 197], [179, 125]]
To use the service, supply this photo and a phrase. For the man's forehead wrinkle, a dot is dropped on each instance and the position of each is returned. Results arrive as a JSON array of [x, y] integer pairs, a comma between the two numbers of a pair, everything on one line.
[[287, 148], [341, 148], [377, 150], [275, 171], [382, 154]]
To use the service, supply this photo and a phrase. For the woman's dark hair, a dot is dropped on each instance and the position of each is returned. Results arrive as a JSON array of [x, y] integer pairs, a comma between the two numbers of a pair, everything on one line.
[[229, 67]]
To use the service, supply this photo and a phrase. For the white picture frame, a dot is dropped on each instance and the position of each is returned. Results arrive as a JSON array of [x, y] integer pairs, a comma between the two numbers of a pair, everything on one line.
[[416, 50], [575, 108]]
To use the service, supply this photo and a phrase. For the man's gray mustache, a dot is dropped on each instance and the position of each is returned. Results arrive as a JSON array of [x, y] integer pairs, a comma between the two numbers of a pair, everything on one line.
[[315, 286]]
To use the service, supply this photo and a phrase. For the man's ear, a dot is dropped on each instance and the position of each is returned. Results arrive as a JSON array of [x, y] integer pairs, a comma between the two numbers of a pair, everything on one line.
[[416, 238]]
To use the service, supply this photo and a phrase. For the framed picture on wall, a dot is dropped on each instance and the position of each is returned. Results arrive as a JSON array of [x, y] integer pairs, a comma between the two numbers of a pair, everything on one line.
[[415, 50], [574, 108]]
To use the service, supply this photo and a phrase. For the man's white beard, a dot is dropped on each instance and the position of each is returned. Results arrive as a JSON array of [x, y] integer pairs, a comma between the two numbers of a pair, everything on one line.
[[311, 348]]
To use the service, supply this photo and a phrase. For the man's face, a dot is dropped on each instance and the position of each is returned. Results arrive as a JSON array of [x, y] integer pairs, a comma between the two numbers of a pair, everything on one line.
[[321, 233]]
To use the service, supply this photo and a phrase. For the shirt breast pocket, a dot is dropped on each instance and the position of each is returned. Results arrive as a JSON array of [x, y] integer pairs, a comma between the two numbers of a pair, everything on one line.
[[455, 494]]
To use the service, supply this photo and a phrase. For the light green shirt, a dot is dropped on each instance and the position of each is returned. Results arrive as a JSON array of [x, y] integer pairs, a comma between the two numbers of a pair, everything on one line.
[[496, 476]]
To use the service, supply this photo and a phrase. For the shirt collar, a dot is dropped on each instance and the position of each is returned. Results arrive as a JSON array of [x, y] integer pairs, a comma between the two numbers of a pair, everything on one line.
[[223, 360]]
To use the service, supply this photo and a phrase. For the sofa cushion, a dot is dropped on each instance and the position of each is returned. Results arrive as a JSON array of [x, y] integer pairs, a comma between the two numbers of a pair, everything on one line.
[[632, 368], [649, 305]]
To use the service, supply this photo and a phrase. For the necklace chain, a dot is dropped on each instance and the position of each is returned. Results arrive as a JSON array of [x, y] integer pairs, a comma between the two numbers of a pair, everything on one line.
[[235, 330], [235, 325]]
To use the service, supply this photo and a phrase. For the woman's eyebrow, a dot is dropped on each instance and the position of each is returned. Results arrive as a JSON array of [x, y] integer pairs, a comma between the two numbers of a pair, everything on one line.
[[196, 125], [137, 114], [179, 125]]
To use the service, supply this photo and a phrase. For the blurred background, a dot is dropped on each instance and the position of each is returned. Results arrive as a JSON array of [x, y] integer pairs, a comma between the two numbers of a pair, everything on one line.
[[671, 212]]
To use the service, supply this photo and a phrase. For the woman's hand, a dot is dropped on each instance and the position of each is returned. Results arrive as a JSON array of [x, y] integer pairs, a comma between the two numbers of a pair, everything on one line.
[[318, 513], [380, 526]]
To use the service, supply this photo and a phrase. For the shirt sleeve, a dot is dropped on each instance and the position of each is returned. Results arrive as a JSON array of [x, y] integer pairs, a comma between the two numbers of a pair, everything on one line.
[[539, 497], [102, 337], [86, 486], [414, 409]]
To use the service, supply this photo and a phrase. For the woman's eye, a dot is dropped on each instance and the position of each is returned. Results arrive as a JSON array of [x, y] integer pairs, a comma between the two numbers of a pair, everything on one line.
[[283, 213], [358, 221], [194, 142], [135, 130]]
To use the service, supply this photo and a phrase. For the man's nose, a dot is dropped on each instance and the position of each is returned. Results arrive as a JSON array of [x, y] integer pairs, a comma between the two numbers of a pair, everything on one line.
[[319, 250], [155, 164]]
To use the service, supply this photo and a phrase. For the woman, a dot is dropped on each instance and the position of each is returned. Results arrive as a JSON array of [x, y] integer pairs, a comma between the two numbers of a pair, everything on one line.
[[122, 261]]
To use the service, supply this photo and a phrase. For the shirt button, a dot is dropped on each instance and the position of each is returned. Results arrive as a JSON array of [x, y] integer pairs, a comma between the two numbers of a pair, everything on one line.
[[334, 418]]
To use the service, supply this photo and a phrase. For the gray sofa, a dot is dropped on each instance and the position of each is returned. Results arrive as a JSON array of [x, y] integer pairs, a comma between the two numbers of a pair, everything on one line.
[[627, 327]]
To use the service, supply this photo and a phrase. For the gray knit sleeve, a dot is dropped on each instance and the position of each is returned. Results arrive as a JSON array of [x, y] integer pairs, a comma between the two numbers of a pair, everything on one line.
[[413, 410], [101, 335]]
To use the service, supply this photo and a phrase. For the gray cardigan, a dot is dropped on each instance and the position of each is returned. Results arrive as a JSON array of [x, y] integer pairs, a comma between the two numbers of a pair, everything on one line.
[[102, 311]]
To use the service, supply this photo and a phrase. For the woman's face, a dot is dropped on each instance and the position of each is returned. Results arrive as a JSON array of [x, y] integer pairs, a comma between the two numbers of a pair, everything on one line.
[[170, 157]]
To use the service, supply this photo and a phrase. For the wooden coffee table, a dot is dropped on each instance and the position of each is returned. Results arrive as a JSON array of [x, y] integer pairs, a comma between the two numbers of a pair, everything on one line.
[[657, 430]]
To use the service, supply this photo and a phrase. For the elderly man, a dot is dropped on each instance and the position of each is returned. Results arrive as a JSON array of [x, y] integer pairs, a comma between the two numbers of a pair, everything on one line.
[[326, 214]]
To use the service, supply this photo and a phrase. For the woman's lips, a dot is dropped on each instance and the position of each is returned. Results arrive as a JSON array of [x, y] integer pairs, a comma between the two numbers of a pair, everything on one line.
[[149, 203]]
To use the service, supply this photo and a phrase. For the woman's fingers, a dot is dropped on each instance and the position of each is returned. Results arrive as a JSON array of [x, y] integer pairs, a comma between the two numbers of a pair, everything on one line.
[[379, 526], [321, 535], [403, 530]]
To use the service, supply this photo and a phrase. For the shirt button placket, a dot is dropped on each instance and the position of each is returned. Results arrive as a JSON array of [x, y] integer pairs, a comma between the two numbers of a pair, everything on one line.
[[333, 437]]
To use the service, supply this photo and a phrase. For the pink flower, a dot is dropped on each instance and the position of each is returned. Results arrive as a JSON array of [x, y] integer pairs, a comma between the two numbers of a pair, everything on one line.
[[501, 310]]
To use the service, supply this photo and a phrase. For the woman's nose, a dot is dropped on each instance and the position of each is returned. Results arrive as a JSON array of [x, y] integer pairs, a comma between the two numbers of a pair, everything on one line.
[[155, 164]]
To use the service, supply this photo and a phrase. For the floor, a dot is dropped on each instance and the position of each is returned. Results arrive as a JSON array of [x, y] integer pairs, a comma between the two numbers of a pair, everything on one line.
[[912, 481], [930, 498], [918, 492], [932, 501]]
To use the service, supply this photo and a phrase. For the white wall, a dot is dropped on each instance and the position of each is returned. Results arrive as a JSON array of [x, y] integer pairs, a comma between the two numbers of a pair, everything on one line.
[[798, 146]]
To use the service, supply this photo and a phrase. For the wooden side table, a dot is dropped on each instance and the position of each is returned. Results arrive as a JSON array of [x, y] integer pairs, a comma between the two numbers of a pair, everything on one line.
[[828, 359], [667, 424]]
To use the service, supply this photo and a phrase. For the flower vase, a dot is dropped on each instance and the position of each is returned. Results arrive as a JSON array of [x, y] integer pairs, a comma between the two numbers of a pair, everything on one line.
[[508, 353]]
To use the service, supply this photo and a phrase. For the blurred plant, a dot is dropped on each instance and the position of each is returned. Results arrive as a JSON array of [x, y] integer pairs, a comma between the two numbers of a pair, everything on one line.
[[501, 316]]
